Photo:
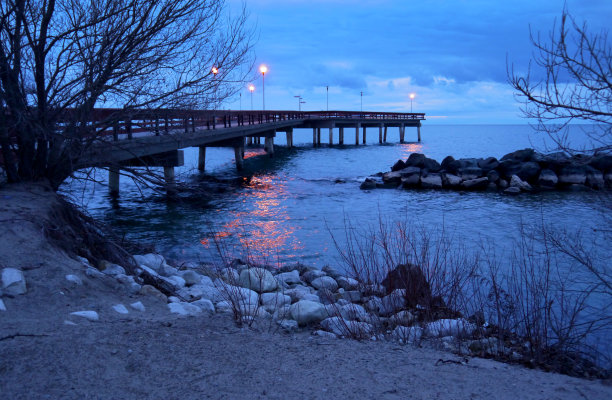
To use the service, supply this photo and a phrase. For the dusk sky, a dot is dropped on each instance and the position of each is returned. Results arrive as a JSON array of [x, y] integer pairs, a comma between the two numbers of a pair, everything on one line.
[[451, 54]]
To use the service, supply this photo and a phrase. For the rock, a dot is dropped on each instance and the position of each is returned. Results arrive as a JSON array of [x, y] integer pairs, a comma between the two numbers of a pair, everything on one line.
[[167, 270], [205, 305], [111, 269], [173, 299], [312, 297], [449, 327], [332, 271], [288, 325], [235, 294], [326, 296], [343, 327], [431, 181], [191, 277], [553, 161], [520, 155], [121, 309], [89, 315], [451, 181], [408, 334], [93, 272], [529, 171], [488, 164], [595, 179], [312, 274], [176, 281], [353, 312], [352, 296], [347, 283], [573, 174], [411, 278], [398, 165], [282, 313], [577, 188], [230, 275], [184, 309], [392, 177], [416, 160], [411, 181], [138, 306], [394, 302], [548, 178], [297, 293], [290, 278], [374, 305], [307, 312], [402, 318], [431, 165], [153, 261], [470, 173], [325, 282], [2, 306], [368, 184], [325, 334], [74, 279], [225, 307], [475, 184], [272, 301], [493, 176], [148, 290], [507, 168], [515, 181], [13, 282], [513, 190], [608, 179], [502, 184], [602, 163], [258, 279], [447, 164]]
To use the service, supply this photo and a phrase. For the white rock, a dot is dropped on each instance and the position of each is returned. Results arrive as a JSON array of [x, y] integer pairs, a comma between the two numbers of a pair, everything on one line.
[[374, 305], [113, 269], [306, 312], [394, 302], [325, 282], [74, 279], [67, 322], [13, 281], [225, 307], [230, 275], [290, 278], [191, 277], [93, 273], [311, 297], [515, 181], [167, 270], [272, 301], [408, 334], [173, 299], [184, 308], [297, 293], [153, 261], [201, 291], [124, 279], [149, 270], [2, 306], [176, 281], [353, 312], [402, 318], [288, 324], [449, 327], [138, 306], [83, 260], [347, 283], [258, 279], [343, 327], [120, 308], [325, 334], [235, 294], [90, 315], [283, 312], [206, 305]]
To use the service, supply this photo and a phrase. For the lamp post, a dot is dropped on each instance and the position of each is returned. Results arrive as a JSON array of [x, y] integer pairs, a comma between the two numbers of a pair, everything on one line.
[[263, 69], [251, 89], [411, 98], [299, 102], [361, 102], [215, 71], [327, 96]]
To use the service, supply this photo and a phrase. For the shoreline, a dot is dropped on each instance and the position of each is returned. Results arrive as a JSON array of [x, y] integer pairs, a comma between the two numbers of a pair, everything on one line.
[[97, 353]]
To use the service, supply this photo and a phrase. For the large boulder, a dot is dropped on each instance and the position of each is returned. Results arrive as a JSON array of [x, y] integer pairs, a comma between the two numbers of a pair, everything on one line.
[[450, 180], [520, 155], [431, 181], [529, 171], [185, 309], [408, 334], [449, 327], [368, 184], [602, 163], [258, 279], [448, 164], [325, 282], [13, 281], [469, 173], [548, 178], [493, 176], [507, 168], [595, 179], [273, 301], [573, 174], [290, 278], [411, 278], [307, 312], [475, 184], [347, 283], [191, 277], [553, 161], [353, 312], [398, 165], [431, 165], [416, 160], [298, 292], [411, 180], [343, 327], [153, 261], [515, 181], [488, 164], [235, 294]]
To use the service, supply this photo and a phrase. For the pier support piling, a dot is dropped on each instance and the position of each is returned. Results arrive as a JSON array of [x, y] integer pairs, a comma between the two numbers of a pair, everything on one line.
[[341, 136], [419, 132], [380, 134], [201, 158], [169, 178], [331, 136], [290, 138], [318, 136], [113, 181], [402, 131], [269, 146], [364, 135], [357, 126], [385, 135], [239, 157]]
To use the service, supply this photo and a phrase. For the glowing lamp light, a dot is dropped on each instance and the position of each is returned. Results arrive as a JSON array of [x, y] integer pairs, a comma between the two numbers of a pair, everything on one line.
[[214, 70], [263, 69], [251, 88], [412, 96]]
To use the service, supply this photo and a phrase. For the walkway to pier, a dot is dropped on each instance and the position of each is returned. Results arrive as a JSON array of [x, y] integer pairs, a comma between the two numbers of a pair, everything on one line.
[[156, 137]]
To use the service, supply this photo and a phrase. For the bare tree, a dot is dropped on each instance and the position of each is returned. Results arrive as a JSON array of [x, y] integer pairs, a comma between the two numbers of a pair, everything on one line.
[[571, 82], [61, 59]]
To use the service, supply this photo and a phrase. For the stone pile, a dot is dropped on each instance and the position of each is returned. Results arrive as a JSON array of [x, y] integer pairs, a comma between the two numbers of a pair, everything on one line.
[[520, 171]]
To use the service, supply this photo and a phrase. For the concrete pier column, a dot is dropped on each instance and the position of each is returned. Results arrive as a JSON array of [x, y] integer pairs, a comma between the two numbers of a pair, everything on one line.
[[380, 134], [314, 137], [169, 178], [318, 136], [357, 126], [385, 135], [238, 156], [341, 135], [269, 146], [250, 140], [419, 132], [290, 138], [113, 180], [364, 135], [402, 131], [201, 158], [331, 136]]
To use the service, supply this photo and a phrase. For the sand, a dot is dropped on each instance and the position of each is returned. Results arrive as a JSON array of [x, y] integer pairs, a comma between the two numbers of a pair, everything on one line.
[[155, 354]]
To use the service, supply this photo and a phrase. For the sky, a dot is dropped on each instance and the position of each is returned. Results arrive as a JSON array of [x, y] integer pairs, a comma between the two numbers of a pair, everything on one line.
[[453, 55]]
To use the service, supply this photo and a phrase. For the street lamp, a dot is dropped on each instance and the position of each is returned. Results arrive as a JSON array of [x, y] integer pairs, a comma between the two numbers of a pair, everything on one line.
[[263, 69], [327, 97], [361, 102], [411, 98], [299, 102], [251, 89], [215, 71]]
